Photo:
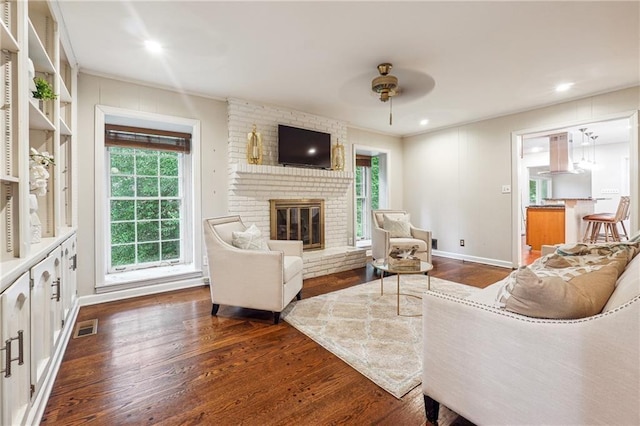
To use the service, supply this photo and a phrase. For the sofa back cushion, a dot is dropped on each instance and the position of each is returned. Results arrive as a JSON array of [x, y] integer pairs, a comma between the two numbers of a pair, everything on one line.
[[627, 286]]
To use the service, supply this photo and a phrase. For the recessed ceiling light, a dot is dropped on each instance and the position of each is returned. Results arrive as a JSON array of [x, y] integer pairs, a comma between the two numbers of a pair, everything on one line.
[[153, 46], [424, 122], [563, 87]]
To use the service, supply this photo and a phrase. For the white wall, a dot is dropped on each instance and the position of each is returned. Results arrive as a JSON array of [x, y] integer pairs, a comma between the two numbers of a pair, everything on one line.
[[453, 177], [609, 174], [92, 91]]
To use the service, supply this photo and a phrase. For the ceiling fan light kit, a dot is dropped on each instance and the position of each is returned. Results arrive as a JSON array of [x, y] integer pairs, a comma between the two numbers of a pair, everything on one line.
[[386, 86]]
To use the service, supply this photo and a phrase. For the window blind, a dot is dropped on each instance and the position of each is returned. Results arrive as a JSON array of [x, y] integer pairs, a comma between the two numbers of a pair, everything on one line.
[[139, 137], [363, 160]]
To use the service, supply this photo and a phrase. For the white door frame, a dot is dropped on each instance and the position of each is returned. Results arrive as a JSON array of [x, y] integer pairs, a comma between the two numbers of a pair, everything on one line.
[[516, 164]]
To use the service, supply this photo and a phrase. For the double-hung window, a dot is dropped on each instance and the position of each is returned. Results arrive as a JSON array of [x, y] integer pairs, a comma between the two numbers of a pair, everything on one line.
[[366, 178], [146, 197]]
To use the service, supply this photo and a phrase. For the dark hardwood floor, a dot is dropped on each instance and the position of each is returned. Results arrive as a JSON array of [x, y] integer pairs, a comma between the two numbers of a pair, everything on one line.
[[163, 359]]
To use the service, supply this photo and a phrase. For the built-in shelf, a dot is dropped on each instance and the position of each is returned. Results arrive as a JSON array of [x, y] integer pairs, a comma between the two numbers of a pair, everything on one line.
[[65, 95], [38, 54], [12, 267], [37, 119], [64, 129], [9, 179], [7, 41]]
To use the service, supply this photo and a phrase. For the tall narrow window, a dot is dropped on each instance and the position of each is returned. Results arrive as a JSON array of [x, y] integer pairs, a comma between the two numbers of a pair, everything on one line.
[[367, 193], [145, 197]]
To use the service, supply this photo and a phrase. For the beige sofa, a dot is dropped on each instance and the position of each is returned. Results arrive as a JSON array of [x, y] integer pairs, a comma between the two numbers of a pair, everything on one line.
[[496, 367]]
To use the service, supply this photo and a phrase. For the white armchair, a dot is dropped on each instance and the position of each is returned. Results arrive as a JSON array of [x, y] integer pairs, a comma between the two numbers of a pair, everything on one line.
[[382, 240], [266, 280]]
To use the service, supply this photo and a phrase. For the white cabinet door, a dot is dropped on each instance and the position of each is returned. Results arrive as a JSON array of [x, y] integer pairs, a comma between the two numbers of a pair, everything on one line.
[[14, 332], [69, 265], [45, 314]]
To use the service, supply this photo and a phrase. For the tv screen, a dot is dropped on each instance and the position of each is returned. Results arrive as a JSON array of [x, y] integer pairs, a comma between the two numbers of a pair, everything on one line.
[[302, 147]]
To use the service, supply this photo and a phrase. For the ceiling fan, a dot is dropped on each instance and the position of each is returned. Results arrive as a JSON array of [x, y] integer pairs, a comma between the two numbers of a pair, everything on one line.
[[386, 85]]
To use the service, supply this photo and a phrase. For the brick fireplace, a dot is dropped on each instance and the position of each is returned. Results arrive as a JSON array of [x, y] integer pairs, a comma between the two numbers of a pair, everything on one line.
[[252, 187]]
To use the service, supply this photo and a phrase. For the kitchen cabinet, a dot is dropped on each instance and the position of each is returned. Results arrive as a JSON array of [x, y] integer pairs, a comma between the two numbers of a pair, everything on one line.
[[545, 226]]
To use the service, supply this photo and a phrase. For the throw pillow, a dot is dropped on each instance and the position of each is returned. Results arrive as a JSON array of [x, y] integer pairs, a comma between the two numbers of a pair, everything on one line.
[[398, 227], [536, 296], [249, 239]]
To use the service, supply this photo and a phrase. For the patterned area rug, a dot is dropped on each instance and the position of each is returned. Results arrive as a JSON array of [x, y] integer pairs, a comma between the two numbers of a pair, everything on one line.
[[362, 328]]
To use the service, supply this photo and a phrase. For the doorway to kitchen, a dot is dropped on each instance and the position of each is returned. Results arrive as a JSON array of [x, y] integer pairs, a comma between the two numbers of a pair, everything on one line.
[[578, 168]]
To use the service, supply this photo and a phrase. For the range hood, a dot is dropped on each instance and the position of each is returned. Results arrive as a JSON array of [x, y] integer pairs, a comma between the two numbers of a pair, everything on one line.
[[560, 149]]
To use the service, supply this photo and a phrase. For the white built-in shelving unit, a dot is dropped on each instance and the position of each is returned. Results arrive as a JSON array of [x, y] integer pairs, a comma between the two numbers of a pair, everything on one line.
[[38, 301]]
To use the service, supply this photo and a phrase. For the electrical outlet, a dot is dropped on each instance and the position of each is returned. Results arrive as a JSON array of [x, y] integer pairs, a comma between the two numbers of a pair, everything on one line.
[[205, 261], [350, 241], [506, 189], [461, 243]]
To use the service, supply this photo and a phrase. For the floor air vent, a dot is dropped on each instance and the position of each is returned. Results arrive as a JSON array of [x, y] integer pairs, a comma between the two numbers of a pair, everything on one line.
[[86, 328]]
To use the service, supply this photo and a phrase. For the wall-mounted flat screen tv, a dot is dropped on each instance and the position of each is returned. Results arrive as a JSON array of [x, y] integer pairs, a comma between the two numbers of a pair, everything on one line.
[[303, 148]]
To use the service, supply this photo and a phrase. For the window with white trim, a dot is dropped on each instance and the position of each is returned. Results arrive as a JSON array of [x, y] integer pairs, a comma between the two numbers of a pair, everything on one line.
[[367, 193], [146, 182]]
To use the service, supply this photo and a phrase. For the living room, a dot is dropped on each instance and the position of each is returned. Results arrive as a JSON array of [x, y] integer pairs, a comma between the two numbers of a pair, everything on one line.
[[448, 177]]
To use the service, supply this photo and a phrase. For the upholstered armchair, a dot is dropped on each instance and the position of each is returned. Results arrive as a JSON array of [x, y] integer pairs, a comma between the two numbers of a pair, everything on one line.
[[391, 228], [267, 276]]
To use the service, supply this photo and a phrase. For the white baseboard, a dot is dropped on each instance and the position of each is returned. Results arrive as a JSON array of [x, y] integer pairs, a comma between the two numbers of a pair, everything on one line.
[[475, 259], [93, 299]]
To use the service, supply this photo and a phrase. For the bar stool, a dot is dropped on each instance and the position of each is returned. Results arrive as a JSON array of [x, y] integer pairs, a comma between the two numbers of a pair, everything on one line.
[[610, 221]]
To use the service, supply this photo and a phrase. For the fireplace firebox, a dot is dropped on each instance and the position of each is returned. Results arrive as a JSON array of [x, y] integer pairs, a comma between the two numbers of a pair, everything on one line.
[[298, 220]]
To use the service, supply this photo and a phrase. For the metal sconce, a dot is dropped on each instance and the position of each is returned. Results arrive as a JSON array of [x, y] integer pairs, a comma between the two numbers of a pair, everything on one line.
[[254, 147], [337, 156]]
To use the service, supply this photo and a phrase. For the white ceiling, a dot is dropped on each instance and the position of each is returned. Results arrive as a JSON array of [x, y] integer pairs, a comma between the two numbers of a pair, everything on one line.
[[486, 58]]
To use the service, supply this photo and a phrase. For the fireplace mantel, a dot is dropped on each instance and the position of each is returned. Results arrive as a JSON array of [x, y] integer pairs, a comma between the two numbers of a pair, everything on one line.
[[250, 177]]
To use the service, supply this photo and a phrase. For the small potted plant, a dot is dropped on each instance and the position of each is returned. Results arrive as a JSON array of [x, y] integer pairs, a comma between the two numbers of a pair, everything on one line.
[[43, 91]]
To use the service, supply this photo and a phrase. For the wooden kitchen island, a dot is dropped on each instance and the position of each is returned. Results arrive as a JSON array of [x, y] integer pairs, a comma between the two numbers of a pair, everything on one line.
[[558, 222], [545, 226]]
